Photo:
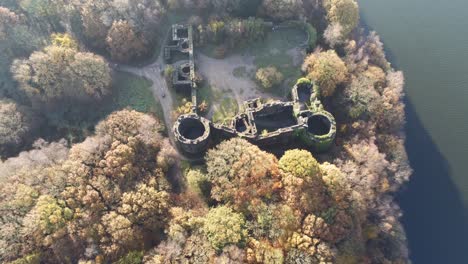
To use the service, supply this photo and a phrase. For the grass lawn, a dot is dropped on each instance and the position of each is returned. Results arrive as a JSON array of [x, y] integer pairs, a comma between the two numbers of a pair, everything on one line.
[[205, 93], [135, 92], [225, 111], [273, 52]]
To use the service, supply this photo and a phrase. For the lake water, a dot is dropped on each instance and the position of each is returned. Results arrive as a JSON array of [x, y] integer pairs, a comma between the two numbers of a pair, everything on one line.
[[428, 40]]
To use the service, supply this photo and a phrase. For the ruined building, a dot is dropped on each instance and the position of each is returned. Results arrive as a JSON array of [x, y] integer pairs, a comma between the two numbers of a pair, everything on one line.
[[277, 122]]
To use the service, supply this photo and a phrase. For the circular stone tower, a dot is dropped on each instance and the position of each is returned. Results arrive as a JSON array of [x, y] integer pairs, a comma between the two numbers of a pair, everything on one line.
[[320, 130], [192, 133]]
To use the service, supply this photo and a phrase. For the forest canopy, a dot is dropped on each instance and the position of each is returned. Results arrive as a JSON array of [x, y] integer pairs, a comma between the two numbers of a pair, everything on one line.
[[84, 181]]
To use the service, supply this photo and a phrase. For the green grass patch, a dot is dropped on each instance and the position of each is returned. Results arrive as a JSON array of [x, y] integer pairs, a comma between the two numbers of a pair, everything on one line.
[[226, 110], [135, 92], [273, 52]]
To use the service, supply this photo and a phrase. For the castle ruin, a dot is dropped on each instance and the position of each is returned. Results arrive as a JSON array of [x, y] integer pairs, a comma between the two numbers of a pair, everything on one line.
[[303, 118]]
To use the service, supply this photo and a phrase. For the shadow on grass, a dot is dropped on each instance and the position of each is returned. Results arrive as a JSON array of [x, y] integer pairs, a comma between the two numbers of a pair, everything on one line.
[[435, 218]]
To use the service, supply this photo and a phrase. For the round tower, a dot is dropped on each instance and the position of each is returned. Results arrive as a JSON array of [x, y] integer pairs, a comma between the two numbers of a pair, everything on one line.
[[192, 133]]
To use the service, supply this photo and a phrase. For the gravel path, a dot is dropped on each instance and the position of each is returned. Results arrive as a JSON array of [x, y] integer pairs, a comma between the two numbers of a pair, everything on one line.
[[219, 74]]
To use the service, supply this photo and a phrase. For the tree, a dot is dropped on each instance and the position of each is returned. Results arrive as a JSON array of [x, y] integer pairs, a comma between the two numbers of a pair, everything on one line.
[[48, 216], [263, 252], [7, 20], [333, 34], [343, 12], [282, 9], [304, 247], [17, 39], [299, 163], [303, 189], [63, 40], [360, 99], [58, 72], [114, 181], [197, 182], [16, 123], [392, 116], [125, 124], [118, 234], [269, 77], [242, 174], [143, 16], [275, 222], [48, 10], [222, 226], [94, 28], [124, 44], [327, 69], [146, 207]]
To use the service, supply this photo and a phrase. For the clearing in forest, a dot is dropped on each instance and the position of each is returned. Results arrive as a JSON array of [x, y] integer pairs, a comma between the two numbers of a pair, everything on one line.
[[233, 77]]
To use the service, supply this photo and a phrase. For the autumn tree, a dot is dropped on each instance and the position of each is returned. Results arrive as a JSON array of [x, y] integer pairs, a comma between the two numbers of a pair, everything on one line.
[[342, 12], [333, 34], [99, 17], [58, 72], [7, 20], [45, 10], [360, 98], [392, 116], [282, 9], [274, 222], [16, 123], [125, 195], [17, 38], [23, 179], [94, 27], [241, 173], [263, 252], [46, 218], [124, 44], [327, 69], [303, 189], [365, 52], [269, 77]]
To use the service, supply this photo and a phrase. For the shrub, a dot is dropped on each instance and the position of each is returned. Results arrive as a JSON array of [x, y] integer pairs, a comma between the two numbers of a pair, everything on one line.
[[269, 77]]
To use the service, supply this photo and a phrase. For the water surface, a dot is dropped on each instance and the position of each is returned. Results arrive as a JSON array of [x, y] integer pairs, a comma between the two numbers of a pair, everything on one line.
[[428, 40]]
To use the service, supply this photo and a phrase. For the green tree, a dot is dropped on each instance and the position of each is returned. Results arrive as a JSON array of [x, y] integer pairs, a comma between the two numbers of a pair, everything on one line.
[[222, 226], [198, 182], [327, 69], [299, 163]]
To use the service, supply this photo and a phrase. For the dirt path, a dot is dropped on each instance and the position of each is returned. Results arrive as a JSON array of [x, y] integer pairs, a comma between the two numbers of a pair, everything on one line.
[[219, 74], [159, 88]]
